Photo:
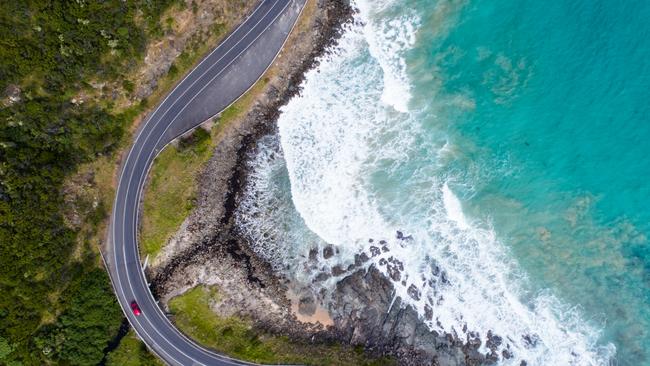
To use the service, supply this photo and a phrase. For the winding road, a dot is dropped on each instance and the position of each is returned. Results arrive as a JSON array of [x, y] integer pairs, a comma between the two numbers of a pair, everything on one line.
[[219, 80]]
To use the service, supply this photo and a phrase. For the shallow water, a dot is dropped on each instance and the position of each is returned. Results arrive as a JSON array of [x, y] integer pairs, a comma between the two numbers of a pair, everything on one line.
[[509, 139]]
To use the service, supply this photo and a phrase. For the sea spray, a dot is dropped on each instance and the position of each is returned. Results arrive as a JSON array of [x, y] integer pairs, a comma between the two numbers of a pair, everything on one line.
[[354, 169]]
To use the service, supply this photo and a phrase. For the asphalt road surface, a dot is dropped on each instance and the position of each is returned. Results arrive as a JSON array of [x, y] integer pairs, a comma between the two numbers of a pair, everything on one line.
[[222, 77]]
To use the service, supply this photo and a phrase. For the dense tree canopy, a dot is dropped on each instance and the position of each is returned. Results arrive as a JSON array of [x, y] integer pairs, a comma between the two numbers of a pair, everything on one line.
[[52, 51], [88, 323]]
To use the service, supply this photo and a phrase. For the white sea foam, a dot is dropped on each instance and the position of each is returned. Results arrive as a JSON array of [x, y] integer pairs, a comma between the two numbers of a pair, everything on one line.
[[453, 207], [360, 167], [387, 42], [267, 217]]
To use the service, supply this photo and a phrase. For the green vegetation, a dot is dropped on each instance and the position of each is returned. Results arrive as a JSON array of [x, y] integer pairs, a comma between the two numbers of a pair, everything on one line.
[[171, 192], [84, 329], [236, 337], [70, 66], [56, 304], [170, 195], [68, 60], [132, 352]]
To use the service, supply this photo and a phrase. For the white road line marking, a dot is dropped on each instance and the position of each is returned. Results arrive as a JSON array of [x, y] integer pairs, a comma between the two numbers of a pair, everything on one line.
[[165, 320], [134, 144], [198, 78], [139, 189]]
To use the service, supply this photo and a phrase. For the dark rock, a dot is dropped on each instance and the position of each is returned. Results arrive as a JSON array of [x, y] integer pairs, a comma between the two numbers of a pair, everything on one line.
[[492, 357], [413, 292], [530, 340], [360, 259], [307, 305], [443, 277], [397, 263], [384, 249], [364, 307], [493, 341], [401, 236], [428, 312], [473, 340], [393, 272], [328, 252], [506, 354], [337, 271], [322, 277], [313, 254], [474, 357], [374, 251]]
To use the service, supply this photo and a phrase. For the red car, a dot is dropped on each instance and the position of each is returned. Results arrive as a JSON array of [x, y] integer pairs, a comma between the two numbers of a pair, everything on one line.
[[135, 308]]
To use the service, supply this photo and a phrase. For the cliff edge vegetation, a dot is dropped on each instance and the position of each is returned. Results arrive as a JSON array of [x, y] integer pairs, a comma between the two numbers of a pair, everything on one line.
[[75, 78]]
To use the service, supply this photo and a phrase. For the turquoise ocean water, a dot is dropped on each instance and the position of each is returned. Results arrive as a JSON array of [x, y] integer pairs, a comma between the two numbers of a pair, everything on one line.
[[511, 139], [561, 93]]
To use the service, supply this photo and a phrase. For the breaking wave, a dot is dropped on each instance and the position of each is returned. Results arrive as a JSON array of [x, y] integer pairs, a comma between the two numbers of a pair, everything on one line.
[[356, 166]]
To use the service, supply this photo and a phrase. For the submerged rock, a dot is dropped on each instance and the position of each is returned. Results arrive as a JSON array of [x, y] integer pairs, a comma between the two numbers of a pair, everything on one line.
[[323, 276], [360, 259], [313, 254], [337, 271], [307, 305], [394, 273], [400, 235], [374, 251], [413, 292], [328, 252]]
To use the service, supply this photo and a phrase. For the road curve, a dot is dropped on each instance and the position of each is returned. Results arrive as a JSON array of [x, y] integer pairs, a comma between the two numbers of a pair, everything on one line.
[[222, 77]]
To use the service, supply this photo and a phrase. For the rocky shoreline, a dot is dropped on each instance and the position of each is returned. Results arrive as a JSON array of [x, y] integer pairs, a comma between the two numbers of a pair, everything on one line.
[[209, 249]]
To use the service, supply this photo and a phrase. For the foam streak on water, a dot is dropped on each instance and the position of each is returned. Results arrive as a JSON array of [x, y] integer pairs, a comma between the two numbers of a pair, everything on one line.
[[353, 150]]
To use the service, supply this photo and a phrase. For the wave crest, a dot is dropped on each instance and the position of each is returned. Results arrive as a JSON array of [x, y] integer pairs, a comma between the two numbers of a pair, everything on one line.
[[360, 167]]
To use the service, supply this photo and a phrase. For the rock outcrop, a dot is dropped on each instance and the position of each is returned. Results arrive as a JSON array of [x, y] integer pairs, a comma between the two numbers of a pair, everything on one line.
[[364, 308], [210, 250]]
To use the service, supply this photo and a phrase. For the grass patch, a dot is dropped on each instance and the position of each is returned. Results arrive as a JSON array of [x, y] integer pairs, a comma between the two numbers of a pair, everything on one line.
[[162, 219], [77, 71], [171, 193], [237, 338], [132, 352]]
